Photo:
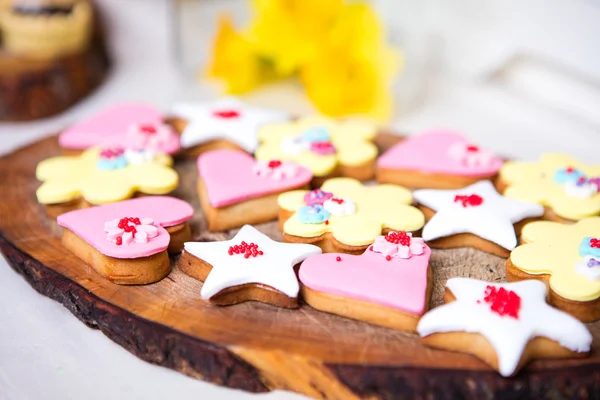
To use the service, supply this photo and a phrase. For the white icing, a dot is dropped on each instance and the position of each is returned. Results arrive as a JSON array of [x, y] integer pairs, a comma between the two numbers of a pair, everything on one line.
[[203, 126], [460, 152], [592, 273], [294, 145], [275, 268], [492, 220], [581, 191], [139, 156], [347, 207], [144, 232], [508, 336]]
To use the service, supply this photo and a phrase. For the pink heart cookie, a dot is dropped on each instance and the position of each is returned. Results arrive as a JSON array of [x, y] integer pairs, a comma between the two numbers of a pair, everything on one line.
[[377, 278], [134, 126], [89, 224], [232, 176], [441, 152]]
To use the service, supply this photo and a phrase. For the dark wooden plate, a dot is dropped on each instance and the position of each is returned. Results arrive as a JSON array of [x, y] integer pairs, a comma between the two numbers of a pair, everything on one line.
[[256, 347]]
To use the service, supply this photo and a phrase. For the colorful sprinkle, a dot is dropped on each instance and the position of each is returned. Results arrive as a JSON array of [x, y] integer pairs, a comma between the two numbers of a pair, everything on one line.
[[590, 246], [246, 249], [317, 196], [314, 214], [471, 200], [274, 164], [226, 114], [322, 148], [568, 174], [398, 238], [503, 302]]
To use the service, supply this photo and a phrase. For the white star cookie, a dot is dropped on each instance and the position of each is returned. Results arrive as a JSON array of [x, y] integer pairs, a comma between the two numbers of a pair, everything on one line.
[[477, 209], [509, 316], [228, 119], [269, 262]]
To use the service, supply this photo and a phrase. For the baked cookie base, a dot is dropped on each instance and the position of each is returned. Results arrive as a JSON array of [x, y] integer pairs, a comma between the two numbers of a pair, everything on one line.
[[251, 211], [585, 311], [477, 345], [179, 235], [366, 311], [124, 271], [423, 180], [199, 269]]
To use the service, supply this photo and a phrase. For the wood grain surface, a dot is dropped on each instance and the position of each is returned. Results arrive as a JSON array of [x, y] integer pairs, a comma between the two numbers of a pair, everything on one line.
[[257, 347]]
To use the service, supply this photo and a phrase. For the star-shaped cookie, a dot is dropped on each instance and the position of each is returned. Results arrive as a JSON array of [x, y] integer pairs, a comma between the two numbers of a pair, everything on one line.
[[228, 119], [477, 209], [249, 261], [510, 316]]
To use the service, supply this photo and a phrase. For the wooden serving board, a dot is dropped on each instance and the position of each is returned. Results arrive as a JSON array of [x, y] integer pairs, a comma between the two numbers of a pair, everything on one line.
[[257, 347]]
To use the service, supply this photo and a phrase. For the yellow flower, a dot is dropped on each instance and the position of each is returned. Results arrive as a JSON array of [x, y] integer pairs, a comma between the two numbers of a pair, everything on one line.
[[377, 208], [292, 141], [68, 178]]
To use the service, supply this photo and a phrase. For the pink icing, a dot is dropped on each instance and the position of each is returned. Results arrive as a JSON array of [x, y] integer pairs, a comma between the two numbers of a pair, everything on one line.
[[430, 153], [229, 178], [89, 223], [322, 148], [156, 137], [114, 126], [396, 283], [387, 248], [144, 230], [276, 169]]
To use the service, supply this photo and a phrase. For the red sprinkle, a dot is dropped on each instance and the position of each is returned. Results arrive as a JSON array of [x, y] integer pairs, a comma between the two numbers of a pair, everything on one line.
[[388, 258], [472, 148], [148, 129], [371, 248], [119, 241], [472, 200], [595, 243], [247, 249], [398, 238], [503, 302], [274, 163], [338, 258], [124, 223], [226, 114], [327, 222], [337, 200], [112, 153], [569, 170]]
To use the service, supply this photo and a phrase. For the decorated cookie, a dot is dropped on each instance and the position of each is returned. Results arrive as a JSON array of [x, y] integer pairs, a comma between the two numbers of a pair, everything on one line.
[[326, 147], [388, 285], [439, 159], [251, 266], [101, 176], [129, 126], [225, 123], [345, 216], [127, 242], [476, 216], [567, 259], [235, 189], [567, 187], [504, 324]]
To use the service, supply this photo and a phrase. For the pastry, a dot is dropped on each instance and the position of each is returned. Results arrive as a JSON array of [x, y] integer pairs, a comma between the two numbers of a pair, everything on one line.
[[567, 259], [388, 285], [476, 216], [250, 266], [226, 123], [128, 242], [504, 324], [46, 29], [100, 176], [568, 188], [235, 189], [345, 216], [131, 126], [436, 160], [326, 147]]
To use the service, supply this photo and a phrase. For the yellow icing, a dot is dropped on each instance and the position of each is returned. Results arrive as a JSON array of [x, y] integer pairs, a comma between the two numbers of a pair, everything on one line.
[[377, 207], [535, 182], [353, 141], [67, 178], [553, 248]]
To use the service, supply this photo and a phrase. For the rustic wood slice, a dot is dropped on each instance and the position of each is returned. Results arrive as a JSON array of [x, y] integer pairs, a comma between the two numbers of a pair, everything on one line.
[[33, 89], [257, 347]]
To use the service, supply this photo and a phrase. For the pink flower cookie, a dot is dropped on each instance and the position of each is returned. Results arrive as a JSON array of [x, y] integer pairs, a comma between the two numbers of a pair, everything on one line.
[[234, 189], [130, 126], [439, 159], [388, 285], [504, 324], [128, 242]]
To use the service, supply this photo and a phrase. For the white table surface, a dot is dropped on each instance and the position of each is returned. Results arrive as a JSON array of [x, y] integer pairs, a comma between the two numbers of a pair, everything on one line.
[[47, 353]]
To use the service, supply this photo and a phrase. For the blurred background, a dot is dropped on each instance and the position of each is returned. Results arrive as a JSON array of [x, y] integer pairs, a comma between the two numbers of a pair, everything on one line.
[[519, 77]]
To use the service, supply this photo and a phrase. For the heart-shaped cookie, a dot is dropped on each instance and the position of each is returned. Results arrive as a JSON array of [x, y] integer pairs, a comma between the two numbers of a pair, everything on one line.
[[388, 285], [134, 126], [232, 176]]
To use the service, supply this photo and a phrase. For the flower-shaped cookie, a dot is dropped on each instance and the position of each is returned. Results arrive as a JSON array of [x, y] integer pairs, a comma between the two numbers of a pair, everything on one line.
[[570, 254], [103, 176], [374, 209], [565, 185], [319, 144]]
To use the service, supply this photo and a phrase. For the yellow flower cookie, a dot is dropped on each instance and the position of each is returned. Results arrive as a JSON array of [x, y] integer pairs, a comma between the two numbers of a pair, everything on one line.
[[353, 214], [104, 176], [557, 181], [567, 257], [320, 144]]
